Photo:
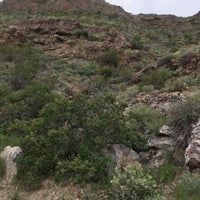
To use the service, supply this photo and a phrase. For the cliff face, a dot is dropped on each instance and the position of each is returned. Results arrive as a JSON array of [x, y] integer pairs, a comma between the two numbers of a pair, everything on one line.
[[89, 6]]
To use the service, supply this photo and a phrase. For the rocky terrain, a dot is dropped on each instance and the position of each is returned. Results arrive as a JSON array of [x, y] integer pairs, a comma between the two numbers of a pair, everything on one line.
[[86, 87]]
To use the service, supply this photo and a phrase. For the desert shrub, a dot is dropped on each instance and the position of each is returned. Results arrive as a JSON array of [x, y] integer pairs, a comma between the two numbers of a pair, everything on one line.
[[22, 106], [67, 138], [137, 43], [133, 183], [2, 167], [107, 71], [181, 83], [128, 94], [25, 63], [142, 120], [187, 187], [182, 116], [165, 173], [110, 57], [156, 78], [82, 33]]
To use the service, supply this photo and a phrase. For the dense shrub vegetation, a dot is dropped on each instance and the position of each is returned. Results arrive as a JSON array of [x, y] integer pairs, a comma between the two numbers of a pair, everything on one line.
[[64, 138]]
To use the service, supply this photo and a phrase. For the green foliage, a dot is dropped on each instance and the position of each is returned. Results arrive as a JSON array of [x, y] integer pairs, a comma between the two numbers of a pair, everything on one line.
[[2, 167], [133, 183], [107, 71], [142, 119], [110, 57], [165, 173], [180, 84], [187, 187], [66, 139], [82, 34], [182, 116], [137, 43], [18, 108], [22, 63], [156, 78]]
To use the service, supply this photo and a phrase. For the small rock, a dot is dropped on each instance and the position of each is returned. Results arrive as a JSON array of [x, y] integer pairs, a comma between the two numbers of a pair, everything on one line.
[[166, 131]]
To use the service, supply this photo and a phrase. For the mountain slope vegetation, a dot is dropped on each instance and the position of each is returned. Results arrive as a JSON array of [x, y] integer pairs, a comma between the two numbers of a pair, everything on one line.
[[76, 78]]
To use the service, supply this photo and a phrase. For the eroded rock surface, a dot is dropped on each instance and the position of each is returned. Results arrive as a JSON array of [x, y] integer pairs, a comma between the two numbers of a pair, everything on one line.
[[9, 154], [121, 157], [192, 153]]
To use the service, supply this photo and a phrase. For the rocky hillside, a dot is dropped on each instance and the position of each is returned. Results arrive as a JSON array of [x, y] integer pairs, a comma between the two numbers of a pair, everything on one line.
[[69, 6], [85, 88]]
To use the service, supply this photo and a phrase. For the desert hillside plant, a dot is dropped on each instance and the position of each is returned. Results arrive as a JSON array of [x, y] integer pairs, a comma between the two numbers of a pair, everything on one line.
[[142, 122], [182, 117], [187, 187], [156, 78], [165, 173], [132, 184], [110, 57], [22, 64]]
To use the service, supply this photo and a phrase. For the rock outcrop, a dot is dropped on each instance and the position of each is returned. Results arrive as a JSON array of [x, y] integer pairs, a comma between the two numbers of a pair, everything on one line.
[[9, 154], [158, 146], [120, 156], [192, 153]]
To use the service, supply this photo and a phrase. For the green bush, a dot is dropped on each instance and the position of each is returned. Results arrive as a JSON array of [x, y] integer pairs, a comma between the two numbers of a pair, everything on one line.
[[23, 64], [107, 71], [137, 43], [182, 116], [110, 57], [133, 183], [165, 173], [2, 167], [156, 78], [187, 187], [67, 138], [181, 83], [82, 33], [140, 120]]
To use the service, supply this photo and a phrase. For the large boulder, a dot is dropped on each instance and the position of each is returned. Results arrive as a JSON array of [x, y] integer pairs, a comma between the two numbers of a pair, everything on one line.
[[9, 154], [120, 157], [192, 153]]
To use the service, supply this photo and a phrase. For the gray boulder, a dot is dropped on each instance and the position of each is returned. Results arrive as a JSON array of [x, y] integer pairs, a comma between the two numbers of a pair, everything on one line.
[[9, 154], [120, 157]]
